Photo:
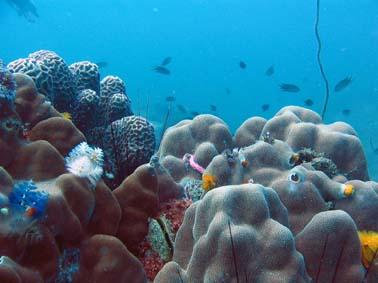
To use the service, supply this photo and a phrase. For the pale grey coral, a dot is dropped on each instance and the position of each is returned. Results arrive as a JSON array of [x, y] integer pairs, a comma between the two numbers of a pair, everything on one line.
[[235, 234]]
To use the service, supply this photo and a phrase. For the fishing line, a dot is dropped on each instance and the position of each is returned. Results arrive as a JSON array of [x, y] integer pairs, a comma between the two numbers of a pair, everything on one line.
[[319, 58]]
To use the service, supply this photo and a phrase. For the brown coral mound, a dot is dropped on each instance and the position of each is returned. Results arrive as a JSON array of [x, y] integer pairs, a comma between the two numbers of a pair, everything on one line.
[[235, 234], [331, 248]]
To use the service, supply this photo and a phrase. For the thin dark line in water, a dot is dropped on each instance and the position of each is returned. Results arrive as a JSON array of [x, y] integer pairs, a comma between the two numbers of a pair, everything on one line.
[[138, 101], [165, 123], [319, 42], [148, 103], [233, 253], [369, 267], [338, 261], [321, 260]]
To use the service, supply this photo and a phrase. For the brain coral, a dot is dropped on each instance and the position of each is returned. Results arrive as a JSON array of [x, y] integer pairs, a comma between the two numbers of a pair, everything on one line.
[[87, 75], [51, 75], [86, 111], [235, 234], [127, 143], [114, 102]]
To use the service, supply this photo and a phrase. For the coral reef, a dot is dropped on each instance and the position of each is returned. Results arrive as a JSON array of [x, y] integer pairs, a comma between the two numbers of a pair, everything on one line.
[[286, 199]]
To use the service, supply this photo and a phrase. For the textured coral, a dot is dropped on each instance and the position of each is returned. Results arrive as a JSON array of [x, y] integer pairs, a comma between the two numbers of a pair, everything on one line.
[[303, 128], [86, 110], [224, 242], [119, 106], [87, 75], [128, 143], [114, 102], [331, 248], [51, 75], [205, 136]]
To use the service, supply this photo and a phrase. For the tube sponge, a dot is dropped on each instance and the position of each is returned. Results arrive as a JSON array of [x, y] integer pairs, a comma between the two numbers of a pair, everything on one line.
[[85, 161]]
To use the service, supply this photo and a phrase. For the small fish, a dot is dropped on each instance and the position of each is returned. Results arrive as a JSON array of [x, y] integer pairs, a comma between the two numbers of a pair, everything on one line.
[[343, 84], [242, 65], [166, 61], [346, 112], [162, 70], [269, 71], [213, 108], [181, 108], [309, 102], [228, 91], [289, 88], [194, 113], [265, 107], [102, 64], [170, 98]]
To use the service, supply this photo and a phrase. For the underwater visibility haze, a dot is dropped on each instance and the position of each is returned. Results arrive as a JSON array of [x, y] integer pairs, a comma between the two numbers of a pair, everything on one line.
[[189, 141]]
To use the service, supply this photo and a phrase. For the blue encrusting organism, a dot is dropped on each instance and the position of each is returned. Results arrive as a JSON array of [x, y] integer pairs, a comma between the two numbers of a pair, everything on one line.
[[7, 90], [26, 199], [87, 162]]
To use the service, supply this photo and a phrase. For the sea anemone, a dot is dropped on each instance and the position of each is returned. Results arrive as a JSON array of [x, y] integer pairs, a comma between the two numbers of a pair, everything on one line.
[[87, 162], [369, 245]]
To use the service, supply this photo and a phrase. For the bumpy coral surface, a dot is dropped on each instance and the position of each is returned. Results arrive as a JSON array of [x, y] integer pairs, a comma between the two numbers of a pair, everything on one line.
[[87, 75], [233, 234], [286, 199], [51, 75], [203, 137], [128, 143]]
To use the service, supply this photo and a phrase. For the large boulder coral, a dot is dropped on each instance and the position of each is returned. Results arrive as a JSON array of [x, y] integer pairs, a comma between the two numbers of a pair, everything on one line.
[[203, 137], [31, 105], [302, 128], [331, 248], [235, 233]]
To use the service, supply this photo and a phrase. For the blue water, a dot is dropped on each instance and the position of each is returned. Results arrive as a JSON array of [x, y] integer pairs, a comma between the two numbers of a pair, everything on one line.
[[207, 39]]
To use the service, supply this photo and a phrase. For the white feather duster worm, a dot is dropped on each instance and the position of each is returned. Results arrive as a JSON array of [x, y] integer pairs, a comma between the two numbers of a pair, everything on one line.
[[87, 162]]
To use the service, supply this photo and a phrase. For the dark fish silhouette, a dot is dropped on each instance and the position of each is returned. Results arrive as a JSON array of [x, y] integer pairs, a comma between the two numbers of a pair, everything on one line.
[[213, 108], [343, 84], [289, 88], [242, 65], [346, 112], [228, 91], [265, 107], [269, 71], [102, 64], [170, 99], [25, 8], [166, 61], [309, 102], [181, 108], [162, 70]]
